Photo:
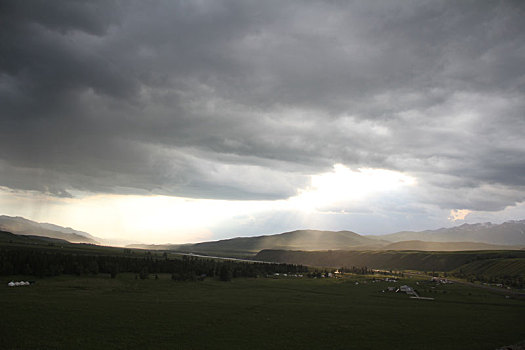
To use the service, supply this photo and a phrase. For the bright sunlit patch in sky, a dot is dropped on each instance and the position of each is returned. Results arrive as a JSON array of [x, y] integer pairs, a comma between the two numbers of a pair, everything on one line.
[[346, 185], [459, 214]]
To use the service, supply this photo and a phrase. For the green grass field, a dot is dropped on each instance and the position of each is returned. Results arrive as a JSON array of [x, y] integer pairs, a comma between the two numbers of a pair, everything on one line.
[[98, 312]]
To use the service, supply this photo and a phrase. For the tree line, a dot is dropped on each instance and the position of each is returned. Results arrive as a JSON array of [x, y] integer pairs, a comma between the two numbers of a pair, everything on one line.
[[40, 263]]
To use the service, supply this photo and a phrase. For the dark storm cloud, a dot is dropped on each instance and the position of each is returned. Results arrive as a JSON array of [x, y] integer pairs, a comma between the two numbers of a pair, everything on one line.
[[245, 99]]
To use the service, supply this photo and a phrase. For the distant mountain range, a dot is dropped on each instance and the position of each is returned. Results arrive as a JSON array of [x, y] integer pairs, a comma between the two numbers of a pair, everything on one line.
[[20, 226], [485, 236], [507, 233], [507, 236]]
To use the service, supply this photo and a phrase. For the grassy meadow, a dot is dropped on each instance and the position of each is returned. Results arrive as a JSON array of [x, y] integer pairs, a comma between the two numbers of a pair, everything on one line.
[[95, 312]]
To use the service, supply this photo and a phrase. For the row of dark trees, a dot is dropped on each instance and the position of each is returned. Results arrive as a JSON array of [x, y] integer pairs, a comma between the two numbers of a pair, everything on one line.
[[40, 263], [358, 270]]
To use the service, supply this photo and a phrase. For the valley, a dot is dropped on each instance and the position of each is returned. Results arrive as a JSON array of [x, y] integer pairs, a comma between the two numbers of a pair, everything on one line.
[[233, 294]]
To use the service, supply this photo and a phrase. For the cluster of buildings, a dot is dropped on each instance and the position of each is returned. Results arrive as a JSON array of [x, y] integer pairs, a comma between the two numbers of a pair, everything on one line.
[[18, 284], [285, 275], [441, 280], [411, 292]]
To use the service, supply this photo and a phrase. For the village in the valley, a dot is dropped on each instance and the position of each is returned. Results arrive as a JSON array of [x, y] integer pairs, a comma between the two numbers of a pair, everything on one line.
[[426, 284]]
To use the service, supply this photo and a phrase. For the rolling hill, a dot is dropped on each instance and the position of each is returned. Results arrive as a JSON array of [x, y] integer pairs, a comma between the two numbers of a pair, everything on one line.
[[22, 226], [295, 240]]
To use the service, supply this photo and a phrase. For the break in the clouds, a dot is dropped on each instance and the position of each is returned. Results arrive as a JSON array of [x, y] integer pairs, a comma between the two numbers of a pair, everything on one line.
[[245, 99]]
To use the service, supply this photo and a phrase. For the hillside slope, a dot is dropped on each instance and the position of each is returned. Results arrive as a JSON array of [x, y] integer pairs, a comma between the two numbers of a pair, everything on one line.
[[21, 226], [409, 260], [9, 237], [493, 268], [447, 246]]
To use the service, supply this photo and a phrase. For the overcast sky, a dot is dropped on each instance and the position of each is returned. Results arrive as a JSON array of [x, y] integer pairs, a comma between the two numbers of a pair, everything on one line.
[[189, 120]]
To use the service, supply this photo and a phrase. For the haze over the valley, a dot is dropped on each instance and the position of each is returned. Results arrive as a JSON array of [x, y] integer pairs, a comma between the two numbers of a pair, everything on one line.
[[175, 122]]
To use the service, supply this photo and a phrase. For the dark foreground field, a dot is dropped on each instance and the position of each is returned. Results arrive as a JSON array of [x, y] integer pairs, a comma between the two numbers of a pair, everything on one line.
[[98, 312]]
